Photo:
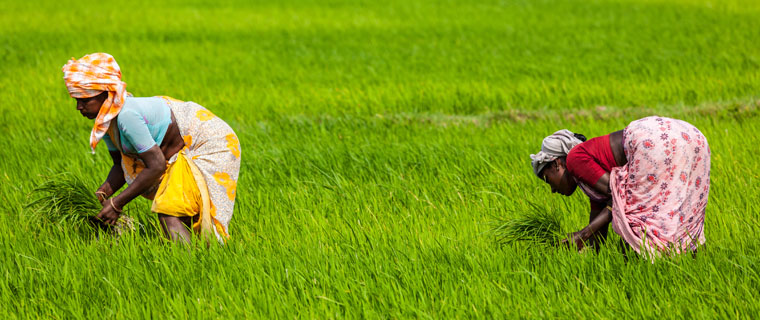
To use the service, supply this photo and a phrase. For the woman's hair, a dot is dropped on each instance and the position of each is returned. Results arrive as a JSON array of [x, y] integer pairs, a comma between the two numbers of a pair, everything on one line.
[[580, 137]]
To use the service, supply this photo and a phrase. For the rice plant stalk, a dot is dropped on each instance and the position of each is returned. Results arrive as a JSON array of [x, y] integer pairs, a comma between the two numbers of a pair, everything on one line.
[[536, 226], [66, 200]]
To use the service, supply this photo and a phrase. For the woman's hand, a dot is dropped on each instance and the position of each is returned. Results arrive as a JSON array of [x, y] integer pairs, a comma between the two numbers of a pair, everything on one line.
[[574, 240], [109, 214], [102, 195], [581, 238], [155, 165]]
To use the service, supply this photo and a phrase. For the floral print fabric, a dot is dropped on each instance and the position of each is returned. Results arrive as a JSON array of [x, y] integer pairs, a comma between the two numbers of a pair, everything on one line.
[[212, 146], [212, 151], [660, 195]]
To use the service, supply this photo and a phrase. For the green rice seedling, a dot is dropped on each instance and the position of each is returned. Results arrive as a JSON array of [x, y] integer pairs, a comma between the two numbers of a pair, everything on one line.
[[66, 200], [537, 226]]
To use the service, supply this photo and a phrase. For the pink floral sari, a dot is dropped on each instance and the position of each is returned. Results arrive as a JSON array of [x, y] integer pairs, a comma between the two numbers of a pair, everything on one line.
[[660, 195]]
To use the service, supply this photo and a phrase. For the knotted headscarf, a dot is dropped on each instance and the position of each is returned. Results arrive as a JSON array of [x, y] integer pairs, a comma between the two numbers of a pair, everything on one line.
[[90, 76], [554, 146]]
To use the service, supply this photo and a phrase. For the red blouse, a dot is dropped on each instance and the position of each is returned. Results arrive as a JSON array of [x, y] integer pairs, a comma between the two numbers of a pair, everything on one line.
[[589, 160]]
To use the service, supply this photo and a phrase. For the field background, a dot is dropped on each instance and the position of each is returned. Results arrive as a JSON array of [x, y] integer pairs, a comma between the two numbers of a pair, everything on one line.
[[381, 140]]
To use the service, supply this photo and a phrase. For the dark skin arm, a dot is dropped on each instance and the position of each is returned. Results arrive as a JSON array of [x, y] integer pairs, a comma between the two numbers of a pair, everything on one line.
[[115, 179], [154, 159], [155, 165], [599, 220], [600, 235], [598, 223]]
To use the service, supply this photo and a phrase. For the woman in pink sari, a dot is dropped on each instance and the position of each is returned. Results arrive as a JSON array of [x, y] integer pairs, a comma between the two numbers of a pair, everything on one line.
[[650, 180]]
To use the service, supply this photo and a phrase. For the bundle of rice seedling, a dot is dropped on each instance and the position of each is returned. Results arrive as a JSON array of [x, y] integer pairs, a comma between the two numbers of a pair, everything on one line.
[[66, 200], [537, 226]]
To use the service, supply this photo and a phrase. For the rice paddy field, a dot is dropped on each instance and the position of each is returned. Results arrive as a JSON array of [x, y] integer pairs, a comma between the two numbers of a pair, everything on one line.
[[382, 144]]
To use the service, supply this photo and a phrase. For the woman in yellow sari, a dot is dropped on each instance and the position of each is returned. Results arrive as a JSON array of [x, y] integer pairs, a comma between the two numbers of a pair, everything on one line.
[[178, 154]]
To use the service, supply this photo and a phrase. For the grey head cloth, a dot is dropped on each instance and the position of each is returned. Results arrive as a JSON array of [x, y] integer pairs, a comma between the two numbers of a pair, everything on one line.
[[554, 146]]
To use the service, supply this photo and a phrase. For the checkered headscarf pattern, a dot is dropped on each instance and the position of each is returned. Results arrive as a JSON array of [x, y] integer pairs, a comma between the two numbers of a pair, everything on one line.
[[88, 77]]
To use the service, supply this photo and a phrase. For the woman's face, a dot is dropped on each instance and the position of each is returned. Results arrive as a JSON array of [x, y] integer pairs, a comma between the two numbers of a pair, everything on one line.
[[557, 176], [89, 107]]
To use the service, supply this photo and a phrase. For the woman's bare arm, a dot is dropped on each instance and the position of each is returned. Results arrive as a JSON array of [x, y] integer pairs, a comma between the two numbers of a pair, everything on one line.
[[599, 235], [155, 165], [603, 185], [599, 220], [115, 179], [595, 227]]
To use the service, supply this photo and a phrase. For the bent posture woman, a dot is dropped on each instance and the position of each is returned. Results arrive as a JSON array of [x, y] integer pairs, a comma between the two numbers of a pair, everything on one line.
[[176, 153], [651, 180]]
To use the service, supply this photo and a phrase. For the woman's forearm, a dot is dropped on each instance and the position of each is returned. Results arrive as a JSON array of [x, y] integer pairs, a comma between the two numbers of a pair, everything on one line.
[[147, 178], [114, 181], [155, 165], [598, 222]]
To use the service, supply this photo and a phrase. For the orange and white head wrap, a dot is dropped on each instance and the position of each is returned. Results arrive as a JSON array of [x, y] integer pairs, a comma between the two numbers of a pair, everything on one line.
[[90, 76]]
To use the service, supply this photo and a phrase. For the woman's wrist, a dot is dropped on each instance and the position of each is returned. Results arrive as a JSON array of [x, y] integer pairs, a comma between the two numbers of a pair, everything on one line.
[[101, 195], [113, 206], [105, 190], [117, 203], [600, 221], [586, 233]]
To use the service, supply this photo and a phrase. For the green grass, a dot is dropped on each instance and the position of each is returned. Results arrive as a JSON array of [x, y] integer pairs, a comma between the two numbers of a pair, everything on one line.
[[381, 140]]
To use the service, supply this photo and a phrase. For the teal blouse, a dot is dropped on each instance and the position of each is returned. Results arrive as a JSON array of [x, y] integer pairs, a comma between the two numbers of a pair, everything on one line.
[[142, 124]]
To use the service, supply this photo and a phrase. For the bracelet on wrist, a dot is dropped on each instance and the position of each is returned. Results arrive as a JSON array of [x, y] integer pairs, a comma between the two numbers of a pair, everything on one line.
[[114, 207]]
